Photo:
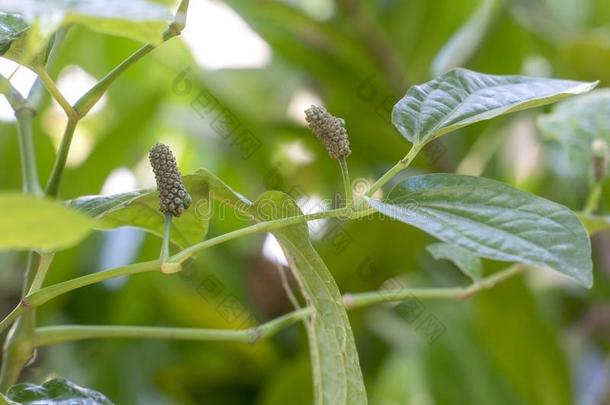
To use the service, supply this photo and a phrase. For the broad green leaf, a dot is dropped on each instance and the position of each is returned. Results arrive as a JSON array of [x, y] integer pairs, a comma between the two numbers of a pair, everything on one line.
[[55, 392], [141, 20], [12, 27], [33, 223], [595, 223], [460, 48], [462, 97], [141, 208], [576, 123], [493, 220], [336, 369], [464, 259]]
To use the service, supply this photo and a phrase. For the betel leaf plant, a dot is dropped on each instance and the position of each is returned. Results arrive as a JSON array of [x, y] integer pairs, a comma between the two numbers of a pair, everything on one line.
[[472, 217]]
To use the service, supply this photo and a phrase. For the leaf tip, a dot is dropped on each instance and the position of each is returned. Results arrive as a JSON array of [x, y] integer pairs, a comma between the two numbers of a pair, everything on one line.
[[584, 87]]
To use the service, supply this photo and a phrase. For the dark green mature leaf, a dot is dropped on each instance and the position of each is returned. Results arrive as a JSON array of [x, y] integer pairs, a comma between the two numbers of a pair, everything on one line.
[[464, 259], [33, 223], [12, 27], [576, 123], [462, 97], [493, 220], [141, 208], [336, 369], [141, 20], [55, 392]]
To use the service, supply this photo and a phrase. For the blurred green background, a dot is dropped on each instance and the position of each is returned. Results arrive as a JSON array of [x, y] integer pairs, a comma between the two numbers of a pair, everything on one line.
[[252, 67]]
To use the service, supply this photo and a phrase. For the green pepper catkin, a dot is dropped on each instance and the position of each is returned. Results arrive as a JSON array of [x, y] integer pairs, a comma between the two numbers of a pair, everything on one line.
[[330, 130], [173, 197]]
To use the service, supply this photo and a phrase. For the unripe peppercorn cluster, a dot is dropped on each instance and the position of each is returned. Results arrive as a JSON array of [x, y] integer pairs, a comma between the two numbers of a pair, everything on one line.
[[330, 130], [173, 197]]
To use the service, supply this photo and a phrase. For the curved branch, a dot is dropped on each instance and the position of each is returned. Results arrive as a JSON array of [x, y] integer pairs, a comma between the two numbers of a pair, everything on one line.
[[51, 335], [59, 334]]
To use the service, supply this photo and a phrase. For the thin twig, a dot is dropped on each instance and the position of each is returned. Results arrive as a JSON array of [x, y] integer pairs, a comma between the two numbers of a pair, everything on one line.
[[60, 334]]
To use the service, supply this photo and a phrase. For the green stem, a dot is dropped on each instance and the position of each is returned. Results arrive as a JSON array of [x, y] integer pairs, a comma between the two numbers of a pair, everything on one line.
[[18, 349], [59, 334], [19, 343], [15, 99], [383, 296], [29, 171], [347, 184], [166, 235], [18, 346], [593, 199], [41, 273], [14, 314], [16, 343], [43, 75], [286, 285], [398, 167], [91, 97], [46, 294], [60, 162], [88, 100], [36, 94], [257, 228]]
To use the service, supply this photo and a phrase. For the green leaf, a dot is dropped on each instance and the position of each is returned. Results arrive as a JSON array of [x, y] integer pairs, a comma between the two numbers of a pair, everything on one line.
[[595, 223], [464, 259], [32, 223], [336, 369], [55, 392], [462, 97], [12, 27], [576, 123], [141, 20], [493, 220], [141, 208]]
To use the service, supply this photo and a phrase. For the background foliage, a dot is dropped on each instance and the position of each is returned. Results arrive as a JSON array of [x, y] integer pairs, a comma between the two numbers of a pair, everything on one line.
[[533, 340]]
